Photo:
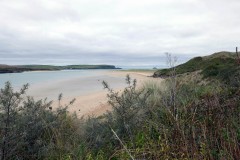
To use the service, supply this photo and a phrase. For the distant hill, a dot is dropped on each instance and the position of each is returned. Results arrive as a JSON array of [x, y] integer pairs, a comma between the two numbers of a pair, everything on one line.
[[221, 65], [22, 68]]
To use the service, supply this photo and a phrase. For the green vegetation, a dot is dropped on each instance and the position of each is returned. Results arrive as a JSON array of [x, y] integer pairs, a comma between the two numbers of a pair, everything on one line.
[[176, 119], [31, 129], [219, 65], [89, 67], [22, 68]]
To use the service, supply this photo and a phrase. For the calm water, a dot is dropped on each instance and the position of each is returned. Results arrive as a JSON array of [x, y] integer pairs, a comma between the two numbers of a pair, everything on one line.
[[18, 79], [69, 82]]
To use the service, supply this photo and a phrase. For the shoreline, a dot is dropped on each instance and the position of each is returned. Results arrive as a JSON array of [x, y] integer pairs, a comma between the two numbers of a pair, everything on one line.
[[85, 87], [96, 103], [28, 68]]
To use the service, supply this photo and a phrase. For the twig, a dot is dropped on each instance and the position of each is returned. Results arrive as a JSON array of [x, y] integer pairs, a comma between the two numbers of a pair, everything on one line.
[[115, 134], [238, 58]]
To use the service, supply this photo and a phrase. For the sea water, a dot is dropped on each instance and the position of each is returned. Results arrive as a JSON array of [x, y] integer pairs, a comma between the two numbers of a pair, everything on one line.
[[69, 82], [18, 79]]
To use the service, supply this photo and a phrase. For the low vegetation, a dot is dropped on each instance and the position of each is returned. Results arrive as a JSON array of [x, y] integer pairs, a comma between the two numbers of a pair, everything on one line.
[[177, 120], [220, 65]]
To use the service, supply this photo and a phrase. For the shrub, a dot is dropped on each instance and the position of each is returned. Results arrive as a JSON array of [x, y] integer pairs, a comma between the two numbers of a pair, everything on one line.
[[31, 129]]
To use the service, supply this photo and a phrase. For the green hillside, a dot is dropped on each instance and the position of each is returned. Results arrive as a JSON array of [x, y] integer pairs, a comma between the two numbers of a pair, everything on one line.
[[221, 65], [22, 68], [89, 67]]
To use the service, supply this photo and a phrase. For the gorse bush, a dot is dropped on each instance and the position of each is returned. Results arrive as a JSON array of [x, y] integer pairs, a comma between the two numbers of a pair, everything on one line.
[[126, 117], [9, 108], [128, 107], [31, 130]]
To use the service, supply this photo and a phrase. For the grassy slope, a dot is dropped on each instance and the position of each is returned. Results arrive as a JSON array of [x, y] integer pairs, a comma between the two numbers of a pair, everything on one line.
[[219, 65]]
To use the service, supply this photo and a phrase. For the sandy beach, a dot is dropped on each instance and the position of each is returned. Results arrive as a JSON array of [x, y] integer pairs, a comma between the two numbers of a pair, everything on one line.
[[96, 103]]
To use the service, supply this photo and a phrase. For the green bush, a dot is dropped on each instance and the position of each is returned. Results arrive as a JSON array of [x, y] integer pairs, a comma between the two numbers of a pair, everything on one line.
[[32, 130]]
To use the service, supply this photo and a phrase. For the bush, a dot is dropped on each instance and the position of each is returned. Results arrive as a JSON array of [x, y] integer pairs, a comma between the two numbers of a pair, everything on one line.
[[203, 125], [31, 129]]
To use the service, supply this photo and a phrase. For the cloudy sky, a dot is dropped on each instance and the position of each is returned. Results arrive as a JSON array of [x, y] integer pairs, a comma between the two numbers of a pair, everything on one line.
[[119, 32]]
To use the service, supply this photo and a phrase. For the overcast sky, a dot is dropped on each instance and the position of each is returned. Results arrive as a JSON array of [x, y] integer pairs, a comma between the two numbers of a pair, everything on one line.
[[118, 32]]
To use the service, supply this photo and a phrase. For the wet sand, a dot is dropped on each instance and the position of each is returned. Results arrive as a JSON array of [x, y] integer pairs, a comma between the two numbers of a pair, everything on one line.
[[89, 101]]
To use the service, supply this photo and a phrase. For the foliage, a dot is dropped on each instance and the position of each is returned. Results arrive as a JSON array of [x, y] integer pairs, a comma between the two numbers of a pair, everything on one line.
[[203, 125], [219, 66], [174, 119], [31, 129]]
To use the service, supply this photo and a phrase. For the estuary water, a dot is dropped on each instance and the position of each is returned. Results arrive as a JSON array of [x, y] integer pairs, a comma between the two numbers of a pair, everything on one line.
[[69, 82]]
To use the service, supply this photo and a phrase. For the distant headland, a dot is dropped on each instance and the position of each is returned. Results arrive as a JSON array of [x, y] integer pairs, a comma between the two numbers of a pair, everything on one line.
[[24, 68]]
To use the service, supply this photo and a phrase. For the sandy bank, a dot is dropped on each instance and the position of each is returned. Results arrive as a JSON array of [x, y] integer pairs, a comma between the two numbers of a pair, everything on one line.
[[96, 103]]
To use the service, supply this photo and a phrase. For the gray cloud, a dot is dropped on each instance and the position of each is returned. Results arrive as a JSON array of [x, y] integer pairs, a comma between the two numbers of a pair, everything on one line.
[[115, 32]]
